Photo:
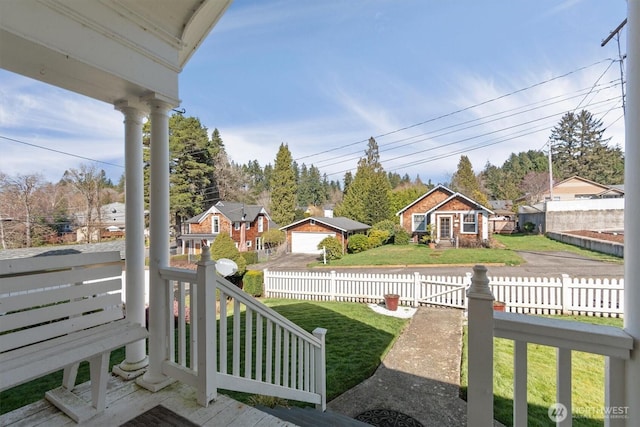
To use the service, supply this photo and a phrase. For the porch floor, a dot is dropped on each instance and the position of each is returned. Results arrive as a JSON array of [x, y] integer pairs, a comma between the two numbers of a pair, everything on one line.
[[126, 400]]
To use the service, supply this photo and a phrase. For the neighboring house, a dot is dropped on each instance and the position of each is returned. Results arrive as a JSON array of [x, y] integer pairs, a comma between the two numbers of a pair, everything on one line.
[[578, 188], [303, 236], [578, 204], [454, 217], [244, 223], [110, 223]]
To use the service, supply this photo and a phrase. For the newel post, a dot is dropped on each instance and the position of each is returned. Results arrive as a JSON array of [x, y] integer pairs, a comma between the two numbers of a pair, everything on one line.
[[206, 327], [320, 369], [480, 354]]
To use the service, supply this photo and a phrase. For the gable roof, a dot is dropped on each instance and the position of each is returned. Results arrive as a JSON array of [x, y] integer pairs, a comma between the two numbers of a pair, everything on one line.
[[239, 211], [433, 190], [341, 223], [452, 195], [579, 178], [462, 196], [234, 211]]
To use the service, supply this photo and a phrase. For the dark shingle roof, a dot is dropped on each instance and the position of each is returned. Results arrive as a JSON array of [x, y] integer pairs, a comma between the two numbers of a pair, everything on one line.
[[341, 223]]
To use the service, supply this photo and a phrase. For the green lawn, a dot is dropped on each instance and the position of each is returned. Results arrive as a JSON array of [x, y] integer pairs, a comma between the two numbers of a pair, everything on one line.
[[502, 254], [587, 381], [414, 254], [357, 340], [536, 242]]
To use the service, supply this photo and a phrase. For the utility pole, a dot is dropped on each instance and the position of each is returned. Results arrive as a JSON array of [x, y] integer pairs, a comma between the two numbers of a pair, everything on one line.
[[616, 33], [550, 172]]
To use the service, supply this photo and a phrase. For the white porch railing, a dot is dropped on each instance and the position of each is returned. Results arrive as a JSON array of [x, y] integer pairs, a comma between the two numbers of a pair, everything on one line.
[[235, 342], [534, 295], [566, 336]]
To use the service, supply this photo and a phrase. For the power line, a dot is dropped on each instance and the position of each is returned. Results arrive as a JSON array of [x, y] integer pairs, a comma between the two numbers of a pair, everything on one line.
[[502, 115], [59, 151], [460, 110], [463, 150]]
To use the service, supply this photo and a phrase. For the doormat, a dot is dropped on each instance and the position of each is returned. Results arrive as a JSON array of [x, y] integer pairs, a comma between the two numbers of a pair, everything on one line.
[[387, 418], [159, 416]]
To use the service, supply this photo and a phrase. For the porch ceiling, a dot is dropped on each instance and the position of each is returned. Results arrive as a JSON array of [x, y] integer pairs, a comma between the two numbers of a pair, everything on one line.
[[106, 49]]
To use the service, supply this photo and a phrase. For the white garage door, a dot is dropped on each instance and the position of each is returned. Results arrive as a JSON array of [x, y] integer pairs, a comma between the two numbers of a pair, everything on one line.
[[307, 243]]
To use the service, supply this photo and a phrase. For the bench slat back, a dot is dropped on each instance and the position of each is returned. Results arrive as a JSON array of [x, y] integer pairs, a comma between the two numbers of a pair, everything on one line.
[[57, 295]]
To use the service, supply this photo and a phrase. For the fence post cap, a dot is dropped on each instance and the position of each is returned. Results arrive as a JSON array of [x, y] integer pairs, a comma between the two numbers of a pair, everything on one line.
[[205, 256], [479, 288]]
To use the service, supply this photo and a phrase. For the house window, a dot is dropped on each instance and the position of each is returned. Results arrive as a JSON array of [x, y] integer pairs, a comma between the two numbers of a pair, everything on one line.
[[469, 223], [215, 224], [258, 244], [312, 222], [419, 222], [260, 224], [248, 225], [236, 226], [248, 243]]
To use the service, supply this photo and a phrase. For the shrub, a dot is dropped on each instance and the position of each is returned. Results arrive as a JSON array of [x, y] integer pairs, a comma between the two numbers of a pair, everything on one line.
[[223, 247], [253, 282], [358, 243], [378, 238], [529, 227], [401, 237], [250, 257], [273, 237], [386, 225], [332, 246]]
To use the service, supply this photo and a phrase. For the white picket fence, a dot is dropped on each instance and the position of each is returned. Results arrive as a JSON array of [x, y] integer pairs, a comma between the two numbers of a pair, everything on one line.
[[532, 295]]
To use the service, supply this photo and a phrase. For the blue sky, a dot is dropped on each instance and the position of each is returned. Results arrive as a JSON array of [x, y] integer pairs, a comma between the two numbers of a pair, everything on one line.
[[431, 80]]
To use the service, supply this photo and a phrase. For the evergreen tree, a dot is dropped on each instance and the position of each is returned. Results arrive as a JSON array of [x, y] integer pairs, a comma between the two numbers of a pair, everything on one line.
[[401, 197], [506, 182], [465, 182], [283, 188], [579, 148], [367, 197], [348, 179], [191, 158]]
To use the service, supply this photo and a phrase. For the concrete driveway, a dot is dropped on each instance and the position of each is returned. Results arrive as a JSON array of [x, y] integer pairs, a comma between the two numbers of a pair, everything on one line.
[[537, 264]]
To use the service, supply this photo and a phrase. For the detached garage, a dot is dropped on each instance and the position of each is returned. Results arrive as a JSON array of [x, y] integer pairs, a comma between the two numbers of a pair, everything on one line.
[[304, 236]]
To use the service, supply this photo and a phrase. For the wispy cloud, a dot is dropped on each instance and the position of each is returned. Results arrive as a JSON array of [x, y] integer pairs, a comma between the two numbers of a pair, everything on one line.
[[40, 114]]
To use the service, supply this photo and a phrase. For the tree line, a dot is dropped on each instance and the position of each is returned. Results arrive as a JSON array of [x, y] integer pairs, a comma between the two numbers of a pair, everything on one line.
[[201, 173]]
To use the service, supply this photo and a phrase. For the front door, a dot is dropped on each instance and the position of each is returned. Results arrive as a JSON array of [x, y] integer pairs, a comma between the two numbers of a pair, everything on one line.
[[444, 228]]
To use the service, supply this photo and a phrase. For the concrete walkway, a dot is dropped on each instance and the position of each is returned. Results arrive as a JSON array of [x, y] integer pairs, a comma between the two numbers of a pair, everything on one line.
[[420, 376]]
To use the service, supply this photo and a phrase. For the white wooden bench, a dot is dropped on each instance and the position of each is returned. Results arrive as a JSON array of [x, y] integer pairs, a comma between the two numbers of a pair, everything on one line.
[[56, 311]]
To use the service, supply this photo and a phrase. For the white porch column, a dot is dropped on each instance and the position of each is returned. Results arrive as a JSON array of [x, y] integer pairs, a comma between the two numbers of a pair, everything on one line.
[[136, 355], [631, 208], [154, 379]]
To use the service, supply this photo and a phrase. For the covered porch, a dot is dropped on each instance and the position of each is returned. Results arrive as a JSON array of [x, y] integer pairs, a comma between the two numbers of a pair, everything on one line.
[[136, 53], [131, 56]]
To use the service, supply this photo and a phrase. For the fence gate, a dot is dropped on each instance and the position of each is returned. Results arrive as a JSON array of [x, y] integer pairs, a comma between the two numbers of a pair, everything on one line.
[[445, 291]]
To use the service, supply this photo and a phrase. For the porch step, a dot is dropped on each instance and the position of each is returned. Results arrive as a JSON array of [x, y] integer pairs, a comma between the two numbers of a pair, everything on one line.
[[310, 417], [444, 243]]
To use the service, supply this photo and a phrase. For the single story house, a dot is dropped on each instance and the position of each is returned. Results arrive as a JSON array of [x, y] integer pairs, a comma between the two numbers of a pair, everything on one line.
[[304, 235], [244, 223], [453, 217]]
